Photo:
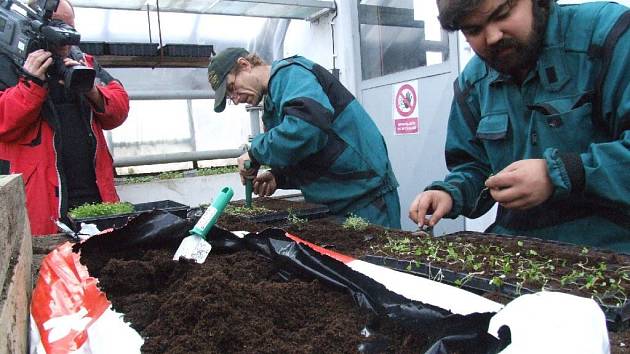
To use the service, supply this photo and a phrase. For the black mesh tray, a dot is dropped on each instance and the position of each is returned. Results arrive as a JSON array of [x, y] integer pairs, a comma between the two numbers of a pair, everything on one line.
[[301, 209], [133, 49], [106, 222], [188, 50], [617, 317], [94, 48], [318, 211]]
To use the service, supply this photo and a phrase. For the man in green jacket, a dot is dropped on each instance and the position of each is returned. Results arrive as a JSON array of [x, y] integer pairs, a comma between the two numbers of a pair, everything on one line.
[[539, 122], [317, 136]]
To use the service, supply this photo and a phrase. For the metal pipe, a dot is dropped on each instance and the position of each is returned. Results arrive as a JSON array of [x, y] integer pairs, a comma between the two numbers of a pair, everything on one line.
[[254, 120], [178, 157], [172, 95]]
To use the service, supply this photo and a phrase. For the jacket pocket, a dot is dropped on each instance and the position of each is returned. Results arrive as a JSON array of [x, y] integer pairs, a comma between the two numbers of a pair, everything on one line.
[[493, 127], [493, 131], [566, 123]]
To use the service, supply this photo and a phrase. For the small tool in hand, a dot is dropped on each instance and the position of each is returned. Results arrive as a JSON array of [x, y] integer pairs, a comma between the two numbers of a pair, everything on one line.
[[249, 186], [195, 246]]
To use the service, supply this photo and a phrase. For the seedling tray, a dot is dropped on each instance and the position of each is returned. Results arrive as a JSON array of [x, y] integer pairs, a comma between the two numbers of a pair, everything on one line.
[[315, 212], [281, 207], [188, 50], [94, 48], [133, 49], [617, 317], [115, 221]]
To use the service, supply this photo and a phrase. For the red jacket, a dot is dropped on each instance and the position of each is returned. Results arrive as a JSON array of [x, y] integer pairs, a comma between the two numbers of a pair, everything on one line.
[[27, 142]]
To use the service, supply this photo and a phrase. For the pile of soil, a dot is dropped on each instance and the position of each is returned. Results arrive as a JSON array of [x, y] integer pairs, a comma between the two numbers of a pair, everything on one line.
[[236, 303]]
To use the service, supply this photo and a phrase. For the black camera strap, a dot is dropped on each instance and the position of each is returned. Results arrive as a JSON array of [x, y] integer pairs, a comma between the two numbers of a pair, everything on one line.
[[30, 77]]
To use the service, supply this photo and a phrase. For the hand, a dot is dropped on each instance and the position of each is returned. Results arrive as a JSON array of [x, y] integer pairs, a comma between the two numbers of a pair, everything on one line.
[[69, 62], [246, 172], [435, 203], [37, 63], [265, 184], [94, 95], [521, 185]]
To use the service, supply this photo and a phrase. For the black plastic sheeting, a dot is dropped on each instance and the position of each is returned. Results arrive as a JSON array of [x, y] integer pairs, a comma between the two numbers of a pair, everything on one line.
[[451, 333]]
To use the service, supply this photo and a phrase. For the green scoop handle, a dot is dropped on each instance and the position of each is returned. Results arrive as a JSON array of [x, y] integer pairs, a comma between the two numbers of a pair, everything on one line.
[[210, 216]]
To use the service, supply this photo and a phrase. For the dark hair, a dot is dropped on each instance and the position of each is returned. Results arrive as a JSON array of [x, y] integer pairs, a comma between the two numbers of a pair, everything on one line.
[[453, 12]]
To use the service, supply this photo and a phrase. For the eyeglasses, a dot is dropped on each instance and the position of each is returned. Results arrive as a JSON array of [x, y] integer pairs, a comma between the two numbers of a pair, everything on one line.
[[230, 90]]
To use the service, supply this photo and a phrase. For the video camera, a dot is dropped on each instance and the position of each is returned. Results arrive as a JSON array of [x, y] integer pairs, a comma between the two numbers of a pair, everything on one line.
[[24, 30]]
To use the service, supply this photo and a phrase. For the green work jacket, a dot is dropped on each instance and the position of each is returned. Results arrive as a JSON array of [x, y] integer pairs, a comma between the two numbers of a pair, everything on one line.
[[573, 110], [319, 139]]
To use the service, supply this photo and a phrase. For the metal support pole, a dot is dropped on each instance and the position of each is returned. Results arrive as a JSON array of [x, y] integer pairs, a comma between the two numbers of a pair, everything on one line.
[[254, 120], [178, 157]]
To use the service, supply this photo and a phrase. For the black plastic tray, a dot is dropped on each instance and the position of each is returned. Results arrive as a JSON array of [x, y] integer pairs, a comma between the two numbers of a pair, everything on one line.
[[617, 317], [311, 211], [133, 49], [317, 211], [106, 222], [94, 48], [188, 50]]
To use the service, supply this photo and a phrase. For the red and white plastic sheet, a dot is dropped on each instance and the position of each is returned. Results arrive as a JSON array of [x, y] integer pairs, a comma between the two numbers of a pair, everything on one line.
[[70, 314]]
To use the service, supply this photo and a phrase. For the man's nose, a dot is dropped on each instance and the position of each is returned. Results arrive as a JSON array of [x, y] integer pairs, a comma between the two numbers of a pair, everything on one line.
[[234, 97], [493, 34]]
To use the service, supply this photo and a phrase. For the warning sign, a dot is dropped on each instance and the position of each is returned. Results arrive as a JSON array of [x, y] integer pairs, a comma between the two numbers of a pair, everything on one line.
[[406, 100], [405, 108]]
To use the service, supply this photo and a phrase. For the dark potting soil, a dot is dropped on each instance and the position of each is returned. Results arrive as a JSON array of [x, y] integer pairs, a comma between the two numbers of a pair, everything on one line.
[[235, 303]]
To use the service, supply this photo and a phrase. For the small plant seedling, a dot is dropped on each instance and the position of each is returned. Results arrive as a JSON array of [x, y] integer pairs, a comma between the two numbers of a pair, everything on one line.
[[101, 209], [355, 223], [295, 220], [244, 211], [520, 265]]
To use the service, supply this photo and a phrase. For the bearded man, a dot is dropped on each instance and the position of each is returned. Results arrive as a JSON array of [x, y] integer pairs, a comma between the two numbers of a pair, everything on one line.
[[539, 122]]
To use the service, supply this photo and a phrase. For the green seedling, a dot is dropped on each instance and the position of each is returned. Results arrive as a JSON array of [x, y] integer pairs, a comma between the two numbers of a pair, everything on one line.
[[519, 265], [355, 223], [245, 211], [101, 209], [295, 220]]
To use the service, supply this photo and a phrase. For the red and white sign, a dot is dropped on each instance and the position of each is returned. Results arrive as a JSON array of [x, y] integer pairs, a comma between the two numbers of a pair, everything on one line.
[[405, 108], [406, 126]]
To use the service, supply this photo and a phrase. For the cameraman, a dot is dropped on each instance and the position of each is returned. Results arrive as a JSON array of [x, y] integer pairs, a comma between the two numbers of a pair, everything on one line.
[[53, 136]]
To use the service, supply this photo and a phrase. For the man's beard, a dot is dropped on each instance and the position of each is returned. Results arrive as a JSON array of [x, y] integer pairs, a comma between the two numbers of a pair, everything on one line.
[[523, 55]]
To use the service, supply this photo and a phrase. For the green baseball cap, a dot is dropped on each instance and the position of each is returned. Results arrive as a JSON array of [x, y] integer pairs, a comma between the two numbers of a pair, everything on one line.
[[218, 69]]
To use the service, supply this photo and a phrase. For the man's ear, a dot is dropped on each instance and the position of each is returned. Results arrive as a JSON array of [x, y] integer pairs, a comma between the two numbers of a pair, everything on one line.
[[243, 64]]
